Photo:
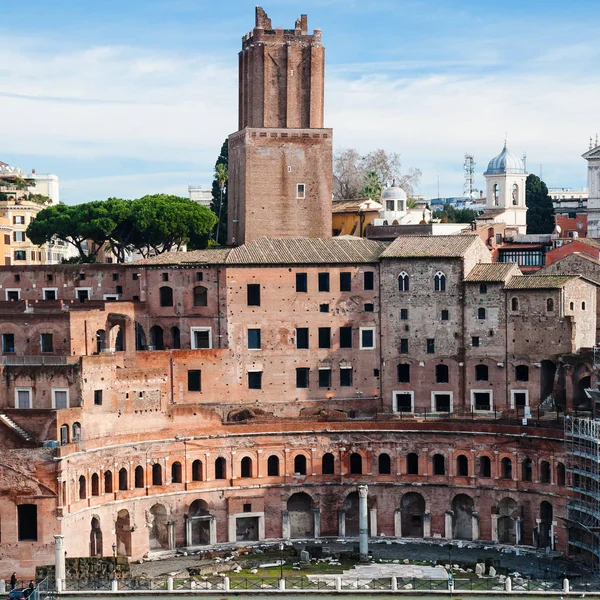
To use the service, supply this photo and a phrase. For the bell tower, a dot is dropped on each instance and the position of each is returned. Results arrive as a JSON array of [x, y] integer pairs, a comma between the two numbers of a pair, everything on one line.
[[280, 159]]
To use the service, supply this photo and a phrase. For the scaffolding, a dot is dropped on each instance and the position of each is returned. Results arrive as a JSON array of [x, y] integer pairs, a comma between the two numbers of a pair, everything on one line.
[[469, 190], [582, 438]]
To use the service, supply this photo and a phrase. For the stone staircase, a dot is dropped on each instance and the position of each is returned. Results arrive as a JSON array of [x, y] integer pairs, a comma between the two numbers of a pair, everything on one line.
[[16, 428]]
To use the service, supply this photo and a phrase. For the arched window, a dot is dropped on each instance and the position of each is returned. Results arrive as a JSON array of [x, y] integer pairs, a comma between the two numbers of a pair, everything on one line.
[[506, 468], [481, 314], [514, 304], [100, 340], [108, 482], [583, 306], [246, 467], [328, 464], [526, 470], [481, 373], [412, 464], [462, 465], [300, 464], [64, 434], [157, 337], [175, 338], [571, 306], [273, 466], [515, 194], [545, 472], [123, 479], [200, 296], [441, 374], [403, 281], [496, 194], [220, 468], [156, 474], [197, 470], [176, 472], [522, 373], [550, 305], [82, 494], [439, 282], [355, 464], [560, 474], [166, 295], [485, 466], [95, 484], [138, 476], [439, 464], [384, 464], [76, 432]]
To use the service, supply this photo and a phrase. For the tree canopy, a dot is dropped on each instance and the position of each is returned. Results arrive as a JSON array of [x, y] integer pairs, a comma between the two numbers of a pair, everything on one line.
[[540, 210], [150, 225], [356, 176], [455, 215], [218, 207]]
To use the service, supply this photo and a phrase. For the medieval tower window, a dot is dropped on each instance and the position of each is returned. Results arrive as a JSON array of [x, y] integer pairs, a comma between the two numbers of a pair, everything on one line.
[[439, 282], [300, 191], [403, 282]]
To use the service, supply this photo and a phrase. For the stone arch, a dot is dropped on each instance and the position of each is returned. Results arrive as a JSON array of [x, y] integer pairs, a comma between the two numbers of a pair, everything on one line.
[[123, 533], [507, 527], [300, 464], [462, 517], [157, 478], [356, 464], [158, 527], [108, 482], [76, 432], [82, 488], [506, 468], [462, 465], [197, 470], [246, 467], [545, 472], [485, 466], [115, 337], [199, 526], [412, 506], [384, 464], [157, 337], [95, 484], [300, 512], [176, 472], [273, 466], [123, 479], [220, 468], [328, 464], [138, 477], [95, 537], [439, 464]]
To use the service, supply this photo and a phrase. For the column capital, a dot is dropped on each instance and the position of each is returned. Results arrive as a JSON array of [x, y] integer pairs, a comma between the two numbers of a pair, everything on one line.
[[363, 491]]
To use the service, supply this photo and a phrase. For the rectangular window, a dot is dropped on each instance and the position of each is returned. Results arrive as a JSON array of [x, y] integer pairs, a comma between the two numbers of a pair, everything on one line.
[[369, 280], [50, 293], [403, 373], [367, 338], [403, 402], [301, 282], [46, 342], [324, 337], [8, 342], [23, 398], [253, 339], [27, 518], [445, 315], [255, 380], [345, 337], [324, 378], [475, 341], [165, 277], [302, 338], [97, 397], [430, 346], [404, 314], [20, 255], [82, 294], [19, 220], [324, 308], [300, 191], [135, 276], [253, 291], [119, 289], [302, 377], [81, 276], [345, 376], [404, 346], [442, 403], [323, 282], [520, 399], [19, 236], [199, 276], [7, 239], [115, 277], [345, 282], [12, 295], [369, 307], [60, 399], [201, 338], [194, 380], [482, 400]]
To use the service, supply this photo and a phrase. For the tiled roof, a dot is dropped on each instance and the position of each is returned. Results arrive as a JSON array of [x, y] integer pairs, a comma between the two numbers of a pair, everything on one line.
[[364, 204], [492, 272], [286, 251], [539, 282], [217, 256], [442, 246]]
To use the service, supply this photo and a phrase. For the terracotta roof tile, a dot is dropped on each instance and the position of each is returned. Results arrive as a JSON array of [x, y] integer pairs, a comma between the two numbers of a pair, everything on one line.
[[538, 282], [492, 272], [442, 246], [217, 256]]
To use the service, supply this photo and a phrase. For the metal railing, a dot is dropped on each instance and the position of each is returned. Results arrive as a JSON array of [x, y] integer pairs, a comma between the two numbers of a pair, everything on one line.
[[29, 361]]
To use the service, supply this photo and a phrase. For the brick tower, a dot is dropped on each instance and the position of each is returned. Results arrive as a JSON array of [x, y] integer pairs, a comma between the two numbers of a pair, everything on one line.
[[280, 160]]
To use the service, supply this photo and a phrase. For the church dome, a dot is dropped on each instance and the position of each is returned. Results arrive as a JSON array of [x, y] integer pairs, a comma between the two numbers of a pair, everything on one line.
[[393, 192], [505, 162]]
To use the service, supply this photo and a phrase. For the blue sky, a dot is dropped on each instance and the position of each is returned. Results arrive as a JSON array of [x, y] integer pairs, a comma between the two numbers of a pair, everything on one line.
[[136, 96]]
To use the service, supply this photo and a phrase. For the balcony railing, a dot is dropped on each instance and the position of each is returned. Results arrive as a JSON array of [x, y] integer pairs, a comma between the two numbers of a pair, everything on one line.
[[20, 361]]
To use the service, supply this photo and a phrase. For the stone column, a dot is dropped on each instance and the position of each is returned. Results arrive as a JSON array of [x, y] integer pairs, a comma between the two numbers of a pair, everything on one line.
[[231, 525], [363, 526], [188, 531], [448, 524], [317, 522], [475, 526], [171, 534], [552, 534], [517, 531], [427, 525], [495, 527], [285, 525], [398, 523], [60, 571], [342, 523], [373, 521], [212, 531]]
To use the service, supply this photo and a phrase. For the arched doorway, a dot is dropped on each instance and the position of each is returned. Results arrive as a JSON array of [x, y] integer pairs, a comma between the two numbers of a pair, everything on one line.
[[545, 526], [157, 337], [140, 337], [123, 533], [199, 520], [413, 515], [159, 529], [507, 530], [351, 510], [95, 538], [547, 373], [300, 511], [462, 518]]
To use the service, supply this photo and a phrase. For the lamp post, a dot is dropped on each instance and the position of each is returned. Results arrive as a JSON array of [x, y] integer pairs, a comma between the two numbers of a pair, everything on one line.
[[114, 549], [280, 560]]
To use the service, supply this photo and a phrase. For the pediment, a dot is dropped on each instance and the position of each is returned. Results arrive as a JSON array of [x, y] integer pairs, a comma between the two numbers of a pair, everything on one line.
[[592, 153]]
